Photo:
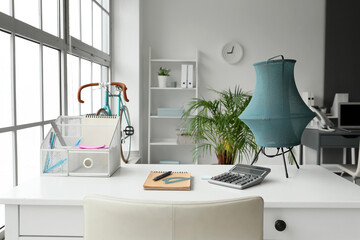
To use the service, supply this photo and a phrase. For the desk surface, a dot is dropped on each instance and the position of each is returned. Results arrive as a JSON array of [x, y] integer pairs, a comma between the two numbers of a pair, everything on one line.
[[307, 187], [336, 132]]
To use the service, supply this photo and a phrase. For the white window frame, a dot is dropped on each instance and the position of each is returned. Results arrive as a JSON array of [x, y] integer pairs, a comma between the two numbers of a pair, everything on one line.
[[65, 44]]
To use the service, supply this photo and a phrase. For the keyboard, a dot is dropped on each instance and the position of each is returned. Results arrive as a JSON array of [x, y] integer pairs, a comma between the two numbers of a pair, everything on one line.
[[241, 176]]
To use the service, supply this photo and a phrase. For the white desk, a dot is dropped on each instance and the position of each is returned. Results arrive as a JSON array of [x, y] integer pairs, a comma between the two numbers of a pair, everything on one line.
[[314, 203]]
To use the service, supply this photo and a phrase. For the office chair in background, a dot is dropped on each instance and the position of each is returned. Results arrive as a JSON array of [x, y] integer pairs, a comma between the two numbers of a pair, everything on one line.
[[111, 218], [352, 169]]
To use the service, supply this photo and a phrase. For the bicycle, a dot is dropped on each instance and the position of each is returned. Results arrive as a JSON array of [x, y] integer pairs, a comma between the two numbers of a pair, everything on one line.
[[125, 125]]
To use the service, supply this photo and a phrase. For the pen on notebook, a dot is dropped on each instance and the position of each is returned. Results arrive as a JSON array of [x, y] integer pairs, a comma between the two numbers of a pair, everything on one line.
[[162, 176]]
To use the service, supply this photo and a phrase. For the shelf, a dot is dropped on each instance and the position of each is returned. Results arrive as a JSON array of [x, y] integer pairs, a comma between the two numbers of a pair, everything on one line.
[[168, 117], [173, 88], [167, 142], [162, 140], [174, 60]]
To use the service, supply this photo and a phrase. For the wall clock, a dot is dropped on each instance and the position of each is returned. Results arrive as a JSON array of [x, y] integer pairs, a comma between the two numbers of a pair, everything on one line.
[[232, 52]]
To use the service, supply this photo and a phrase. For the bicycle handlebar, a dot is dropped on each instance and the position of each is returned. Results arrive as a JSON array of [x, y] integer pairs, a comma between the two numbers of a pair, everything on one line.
[[123, 87]]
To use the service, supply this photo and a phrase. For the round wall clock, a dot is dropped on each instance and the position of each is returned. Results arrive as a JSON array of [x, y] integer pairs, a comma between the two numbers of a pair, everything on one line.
[[232, 52]]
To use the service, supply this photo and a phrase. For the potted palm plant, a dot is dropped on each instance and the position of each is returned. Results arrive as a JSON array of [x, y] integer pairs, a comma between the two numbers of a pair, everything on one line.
[[216, 126], [163, 76]]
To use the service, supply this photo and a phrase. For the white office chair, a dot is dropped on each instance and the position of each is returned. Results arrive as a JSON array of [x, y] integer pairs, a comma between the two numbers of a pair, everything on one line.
[[110, 218], [353, 170]]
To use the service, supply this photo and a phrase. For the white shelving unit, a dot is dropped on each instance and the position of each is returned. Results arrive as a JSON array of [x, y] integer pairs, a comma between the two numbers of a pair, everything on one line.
[[162, 145]]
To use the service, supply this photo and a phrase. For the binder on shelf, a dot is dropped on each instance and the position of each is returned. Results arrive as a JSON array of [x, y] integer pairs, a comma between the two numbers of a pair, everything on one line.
[[184, 75], [190, 76]]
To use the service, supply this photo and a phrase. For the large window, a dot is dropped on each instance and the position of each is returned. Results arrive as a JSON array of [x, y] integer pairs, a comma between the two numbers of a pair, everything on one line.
[[42, 66], [81, 72], [90, 22]]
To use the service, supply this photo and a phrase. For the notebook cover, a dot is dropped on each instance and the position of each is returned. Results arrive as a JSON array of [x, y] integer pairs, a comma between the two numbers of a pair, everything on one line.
[[98, 130], [150, 184]]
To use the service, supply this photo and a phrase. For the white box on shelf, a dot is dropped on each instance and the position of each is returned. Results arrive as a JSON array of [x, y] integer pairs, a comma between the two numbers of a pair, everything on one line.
[[183, 138], [92, 147], [184, 75], [190, 76]]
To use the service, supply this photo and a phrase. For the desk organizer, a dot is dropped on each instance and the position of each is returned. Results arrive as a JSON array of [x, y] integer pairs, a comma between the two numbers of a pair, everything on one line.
[[82, 146]]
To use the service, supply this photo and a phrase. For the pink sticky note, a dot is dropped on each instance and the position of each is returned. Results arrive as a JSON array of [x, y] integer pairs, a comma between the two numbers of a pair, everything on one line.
[[83, 146]]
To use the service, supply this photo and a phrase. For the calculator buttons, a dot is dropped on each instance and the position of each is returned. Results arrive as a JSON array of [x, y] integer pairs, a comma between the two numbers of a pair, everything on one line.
[[241, 176]]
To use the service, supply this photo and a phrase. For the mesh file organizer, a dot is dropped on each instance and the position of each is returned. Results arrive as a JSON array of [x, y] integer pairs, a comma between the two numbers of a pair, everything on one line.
[[82, 146]]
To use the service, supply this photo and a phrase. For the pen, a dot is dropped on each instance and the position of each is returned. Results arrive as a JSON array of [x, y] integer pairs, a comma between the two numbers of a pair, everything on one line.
[[55, 165], [51, 143], [162, 176], [78, 142]]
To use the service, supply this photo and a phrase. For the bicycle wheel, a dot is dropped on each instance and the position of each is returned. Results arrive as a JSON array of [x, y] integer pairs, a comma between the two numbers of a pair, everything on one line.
[[125, 134], [102, 112]]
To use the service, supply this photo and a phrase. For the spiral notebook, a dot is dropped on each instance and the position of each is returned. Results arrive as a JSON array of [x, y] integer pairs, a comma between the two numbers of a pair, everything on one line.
[[175, 181], [98, 130]]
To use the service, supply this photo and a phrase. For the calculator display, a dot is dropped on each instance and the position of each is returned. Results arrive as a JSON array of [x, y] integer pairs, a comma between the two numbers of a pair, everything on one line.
[[240, 169]]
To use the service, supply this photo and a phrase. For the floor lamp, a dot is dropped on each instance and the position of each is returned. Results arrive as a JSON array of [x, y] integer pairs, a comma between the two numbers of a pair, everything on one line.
[[276, 114]]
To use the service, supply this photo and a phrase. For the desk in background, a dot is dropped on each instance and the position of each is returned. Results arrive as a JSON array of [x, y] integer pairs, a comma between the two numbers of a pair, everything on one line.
[[317, 139], [314, 203]]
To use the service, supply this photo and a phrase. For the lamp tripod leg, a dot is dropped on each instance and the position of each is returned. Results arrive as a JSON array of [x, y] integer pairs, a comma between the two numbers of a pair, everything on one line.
[[297, 165], [286, 172], [256, 156]]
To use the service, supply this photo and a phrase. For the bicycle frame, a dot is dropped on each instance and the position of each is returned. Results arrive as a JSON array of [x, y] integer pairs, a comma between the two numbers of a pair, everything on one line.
[[120, 104]]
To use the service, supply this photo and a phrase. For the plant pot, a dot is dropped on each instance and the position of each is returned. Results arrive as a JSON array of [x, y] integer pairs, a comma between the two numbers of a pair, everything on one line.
[[163, 81]]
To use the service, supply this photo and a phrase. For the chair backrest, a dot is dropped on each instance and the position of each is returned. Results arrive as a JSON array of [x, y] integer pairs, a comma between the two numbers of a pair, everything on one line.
[[110, 218]]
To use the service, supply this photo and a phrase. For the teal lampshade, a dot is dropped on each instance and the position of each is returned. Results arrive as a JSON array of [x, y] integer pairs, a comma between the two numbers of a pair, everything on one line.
[[276, 113]]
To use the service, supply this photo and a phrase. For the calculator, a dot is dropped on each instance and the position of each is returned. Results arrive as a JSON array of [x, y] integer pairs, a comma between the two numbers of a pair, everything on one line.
[[241, 176]]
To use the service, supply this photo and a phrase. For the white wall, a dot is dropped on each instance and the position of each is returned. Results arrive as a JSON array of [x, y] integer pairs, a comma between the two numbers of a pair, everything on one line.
[[175, 28], [265, 28], [125, 56]]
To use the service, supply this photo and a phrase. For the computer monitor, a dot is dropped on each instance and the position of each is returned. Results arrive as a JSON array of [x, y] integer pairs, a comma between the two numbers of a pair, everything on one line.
[[349, 115]]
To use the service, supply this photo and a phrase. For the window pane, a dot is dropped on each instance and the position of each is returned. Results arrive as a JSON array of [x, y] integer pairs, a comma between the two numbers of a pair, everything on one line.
[[105, 74], [106, 32], [47, 128], [106, 5], [5, 8], [86, 93], [28, 11], [27, 81], [6, 169], [51, 76], [50, 16], [5, 76], [28, 143], [97, 96], [97, 26], [61, 17], [86, 24], [74, 16], [73, 84]]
